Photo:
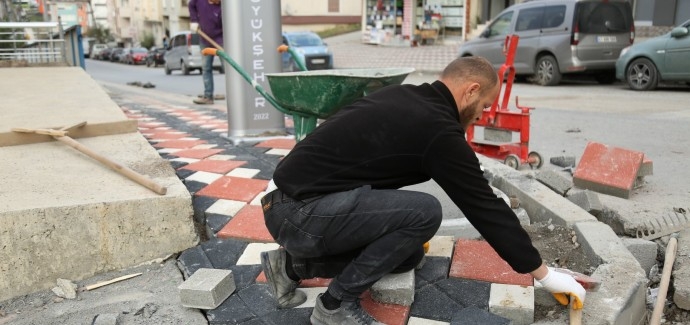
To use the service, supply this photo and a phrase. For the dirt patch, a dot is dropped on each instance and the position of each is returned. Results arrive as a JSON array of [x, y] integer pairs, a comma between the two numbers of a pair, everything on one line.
[[559, 248]]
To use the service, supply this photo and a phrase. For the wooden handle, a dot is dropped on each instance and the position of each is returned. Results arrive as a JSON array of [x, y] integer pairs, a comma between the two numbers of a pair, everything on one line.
[[105, 283], [139, 178], [210, 40], [55, 133], [665, 278], [575, 314]]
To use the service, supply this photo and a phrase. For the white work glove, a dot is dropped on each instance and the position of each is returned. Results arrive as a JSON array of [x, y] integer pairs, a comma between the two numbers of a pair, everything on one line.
[[562, 285], [194, 26]]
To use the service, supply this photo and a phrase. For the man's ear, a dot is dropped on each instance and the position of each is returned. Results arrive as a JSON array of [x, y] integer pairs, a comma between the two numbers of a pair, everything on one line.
[[474, 89]]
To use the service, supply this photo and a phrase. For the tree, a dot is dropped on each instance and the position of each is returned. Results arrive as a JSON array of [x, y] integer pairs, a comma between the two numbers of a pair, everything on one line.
[[148, 40], [101, 34]]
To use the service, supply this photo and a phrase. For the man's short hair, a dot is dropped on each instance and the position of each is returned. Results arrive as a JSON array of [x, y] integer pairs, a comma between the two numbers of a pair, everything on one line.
[[471, 68]]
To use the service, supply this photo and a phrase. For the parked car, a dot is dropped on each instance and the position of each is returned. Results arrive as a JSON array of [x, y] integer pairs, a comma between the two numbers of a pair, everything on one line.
[[559, 37], [97, 49], [135, 55], [105, 54], [184, 54], [116, 54], [311, 49], [155, 57], [663, 58]]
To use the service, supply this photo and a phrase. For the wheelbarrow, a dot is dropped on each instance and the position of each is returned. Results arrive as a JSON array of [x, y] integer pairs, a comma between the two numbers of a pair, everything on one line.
[[311, 95], [502, 121]]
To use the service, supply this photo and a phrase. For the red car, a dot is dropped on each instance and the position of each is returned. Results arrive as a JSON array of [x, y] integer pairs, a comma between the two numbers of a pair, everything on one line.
[[135, 55]]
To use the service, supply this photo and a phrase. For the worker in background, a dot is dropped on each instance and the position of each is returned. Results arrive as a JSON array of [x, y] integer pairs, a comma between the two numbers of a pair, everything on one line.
[[207, 16], [336, 208]]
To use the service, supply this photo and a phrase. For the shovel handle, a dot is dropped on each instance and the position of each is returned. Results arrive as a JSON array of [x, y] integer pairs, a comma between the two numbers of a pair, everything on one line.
[[575, 314], [210, 40]]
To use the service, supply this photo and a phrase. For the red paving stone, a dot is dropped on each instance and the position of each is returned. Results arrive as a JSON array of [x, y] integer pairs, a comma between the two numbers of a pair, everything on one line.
[[247, 224], [608, 169], [150, 125], [386, 313], [179, 144], [306, 283], [234, 188], [277, 144], [477, 260], [196, 153], [214, 166]]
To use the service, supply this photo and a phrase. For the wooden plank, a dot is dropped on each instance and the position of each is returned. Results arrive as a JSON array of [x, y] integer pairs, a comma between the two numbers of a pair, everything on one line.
[[86, 131]]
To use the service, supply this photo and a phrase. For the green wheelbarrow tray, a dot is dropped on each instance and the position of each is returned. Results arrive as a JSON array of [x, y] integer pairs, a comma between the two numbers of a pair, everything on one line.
[[320, 93]]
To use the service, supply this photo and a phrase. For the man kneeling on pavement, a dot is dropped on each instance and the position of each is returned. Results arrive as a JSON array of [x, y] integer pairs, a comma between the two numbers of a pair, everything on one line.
[[336, 208]]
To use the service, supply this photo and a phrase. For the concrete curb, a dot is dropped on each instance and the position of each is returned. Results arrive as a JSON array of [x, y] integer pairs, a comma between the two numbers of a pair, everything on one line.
[[621, 297]]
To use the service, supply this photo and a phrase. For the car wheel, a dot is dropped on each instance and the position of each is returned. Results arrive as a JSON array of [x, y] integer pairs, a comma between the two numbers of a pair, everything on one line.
[[167, 69], [605, 78], [148, 63], [641, 74], [547, 71], [185, 70]]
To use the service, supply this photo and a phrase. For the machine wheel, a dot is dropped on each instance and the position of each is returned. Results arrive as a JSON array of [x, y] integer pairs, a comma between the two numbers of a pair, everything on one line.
[[605, 78], [641, 74], [222, 68], [547, 71], [185, 70], [167, 69], [512, 161], [535, 160]]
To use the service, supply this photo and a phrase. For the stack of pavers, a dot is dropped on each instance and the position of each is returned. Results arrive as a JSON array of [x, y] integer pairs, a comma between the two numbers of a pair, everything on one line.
[[462, 281]]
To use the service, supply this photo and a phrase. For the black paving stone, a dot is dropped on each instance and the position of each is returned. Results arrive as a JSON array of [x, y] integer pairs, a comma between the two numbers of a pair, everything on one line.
[[223, 253], [215, 222], [177, 164], [432, 303], [200, 204], [259, 299], [194, 186], [435, 269], [193, 259], [245, 275], [476, 316], [232, 311], [466, 292], [289, 316], [184, 173]]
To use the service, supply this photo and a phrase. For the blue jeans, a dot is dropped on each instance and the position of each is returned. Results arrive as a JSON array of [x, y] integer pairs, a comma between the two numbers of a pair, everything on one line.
[[355, 237], [207, 74]]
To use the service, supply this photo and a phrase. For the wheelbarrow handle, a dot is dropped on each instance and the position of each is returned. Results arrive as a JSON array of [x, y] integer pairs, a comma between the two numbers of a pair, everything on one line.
[[295, 57], [258, 87]]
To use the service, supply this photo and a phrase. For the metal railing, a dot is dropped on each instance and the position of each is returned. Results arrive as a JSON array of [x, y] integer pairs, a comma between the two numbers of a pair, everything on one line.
[[41, 43]]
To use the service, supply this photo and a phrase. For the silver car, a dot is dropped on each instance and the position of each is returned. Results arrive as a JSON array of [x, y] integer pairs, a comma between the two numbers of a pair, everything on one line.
[[184, 53], [557, 37]]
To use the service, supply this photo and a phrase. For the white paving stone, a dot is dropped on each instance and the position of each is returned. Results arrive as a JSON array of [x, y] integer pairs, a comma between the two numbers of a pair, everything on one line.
[[513, 302], [252, 254], [278, 152], [168, 150], [257, 199], [204, 146], [221, 157], [441, 246], [424, 321], [243, 172], [312, 294], [226, 207], [185, 160], [204, 177]]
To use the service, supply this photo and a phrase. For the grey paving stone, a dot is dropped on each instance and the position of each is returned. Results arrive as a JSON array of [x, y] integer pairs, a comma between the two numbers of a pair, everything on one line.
[[435, 269], [232, 311], [191, 260], [245, 275], [106, 319], [563, 161], [288, 316], [476, 316], [466, 292], [207, 288], [555, 181], [431, 303], [588, 201], [259, 299], [223, 253]]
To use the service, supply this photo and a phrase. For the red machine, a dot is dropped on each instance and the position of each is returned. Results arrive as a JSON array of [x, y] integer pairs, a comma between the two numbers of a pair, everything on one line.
[[499, 122]]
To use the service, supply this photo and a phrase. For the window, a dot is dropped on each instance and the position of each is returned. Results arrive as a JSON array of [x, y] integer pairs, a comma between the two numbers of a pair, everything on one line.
[[529, 19], [553, 16], [604, 17], [501, 25], [333, 5]]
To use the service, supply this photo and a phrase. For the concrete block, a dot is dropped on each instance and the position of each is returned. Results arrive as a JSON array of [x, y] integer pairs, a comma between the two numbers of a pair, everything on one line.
[[475, 316], [394, 289], [563, 161], [107, 319], [644, 251], [497, 135], [522, 216], [555, 181], [588, 201], [207, 288], [513, 302], [647, 168], [608, 170], [681, 272]]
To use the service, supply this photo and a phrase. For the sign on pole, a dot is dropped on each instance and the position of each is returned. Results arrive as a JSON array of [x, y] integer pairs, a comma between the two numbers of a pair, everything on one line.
[[251, 35]]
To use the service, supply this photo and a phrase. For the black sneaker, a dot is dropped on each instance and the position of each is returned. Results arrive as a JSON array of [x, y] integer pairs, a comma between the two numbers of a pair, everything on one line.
[[349, 313], [283, 288]]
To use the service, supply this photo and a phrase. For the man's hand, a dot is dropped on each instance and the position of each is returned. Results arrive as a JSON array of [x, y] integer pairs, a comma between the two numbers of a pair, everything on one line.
[[194, 26], [562, 285]]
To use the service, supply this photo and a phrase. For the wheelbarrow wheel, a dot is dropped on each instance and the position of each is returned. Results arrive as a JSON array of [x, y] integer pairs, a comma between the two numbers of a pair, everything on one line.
[[512, 161], [534, 160]]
